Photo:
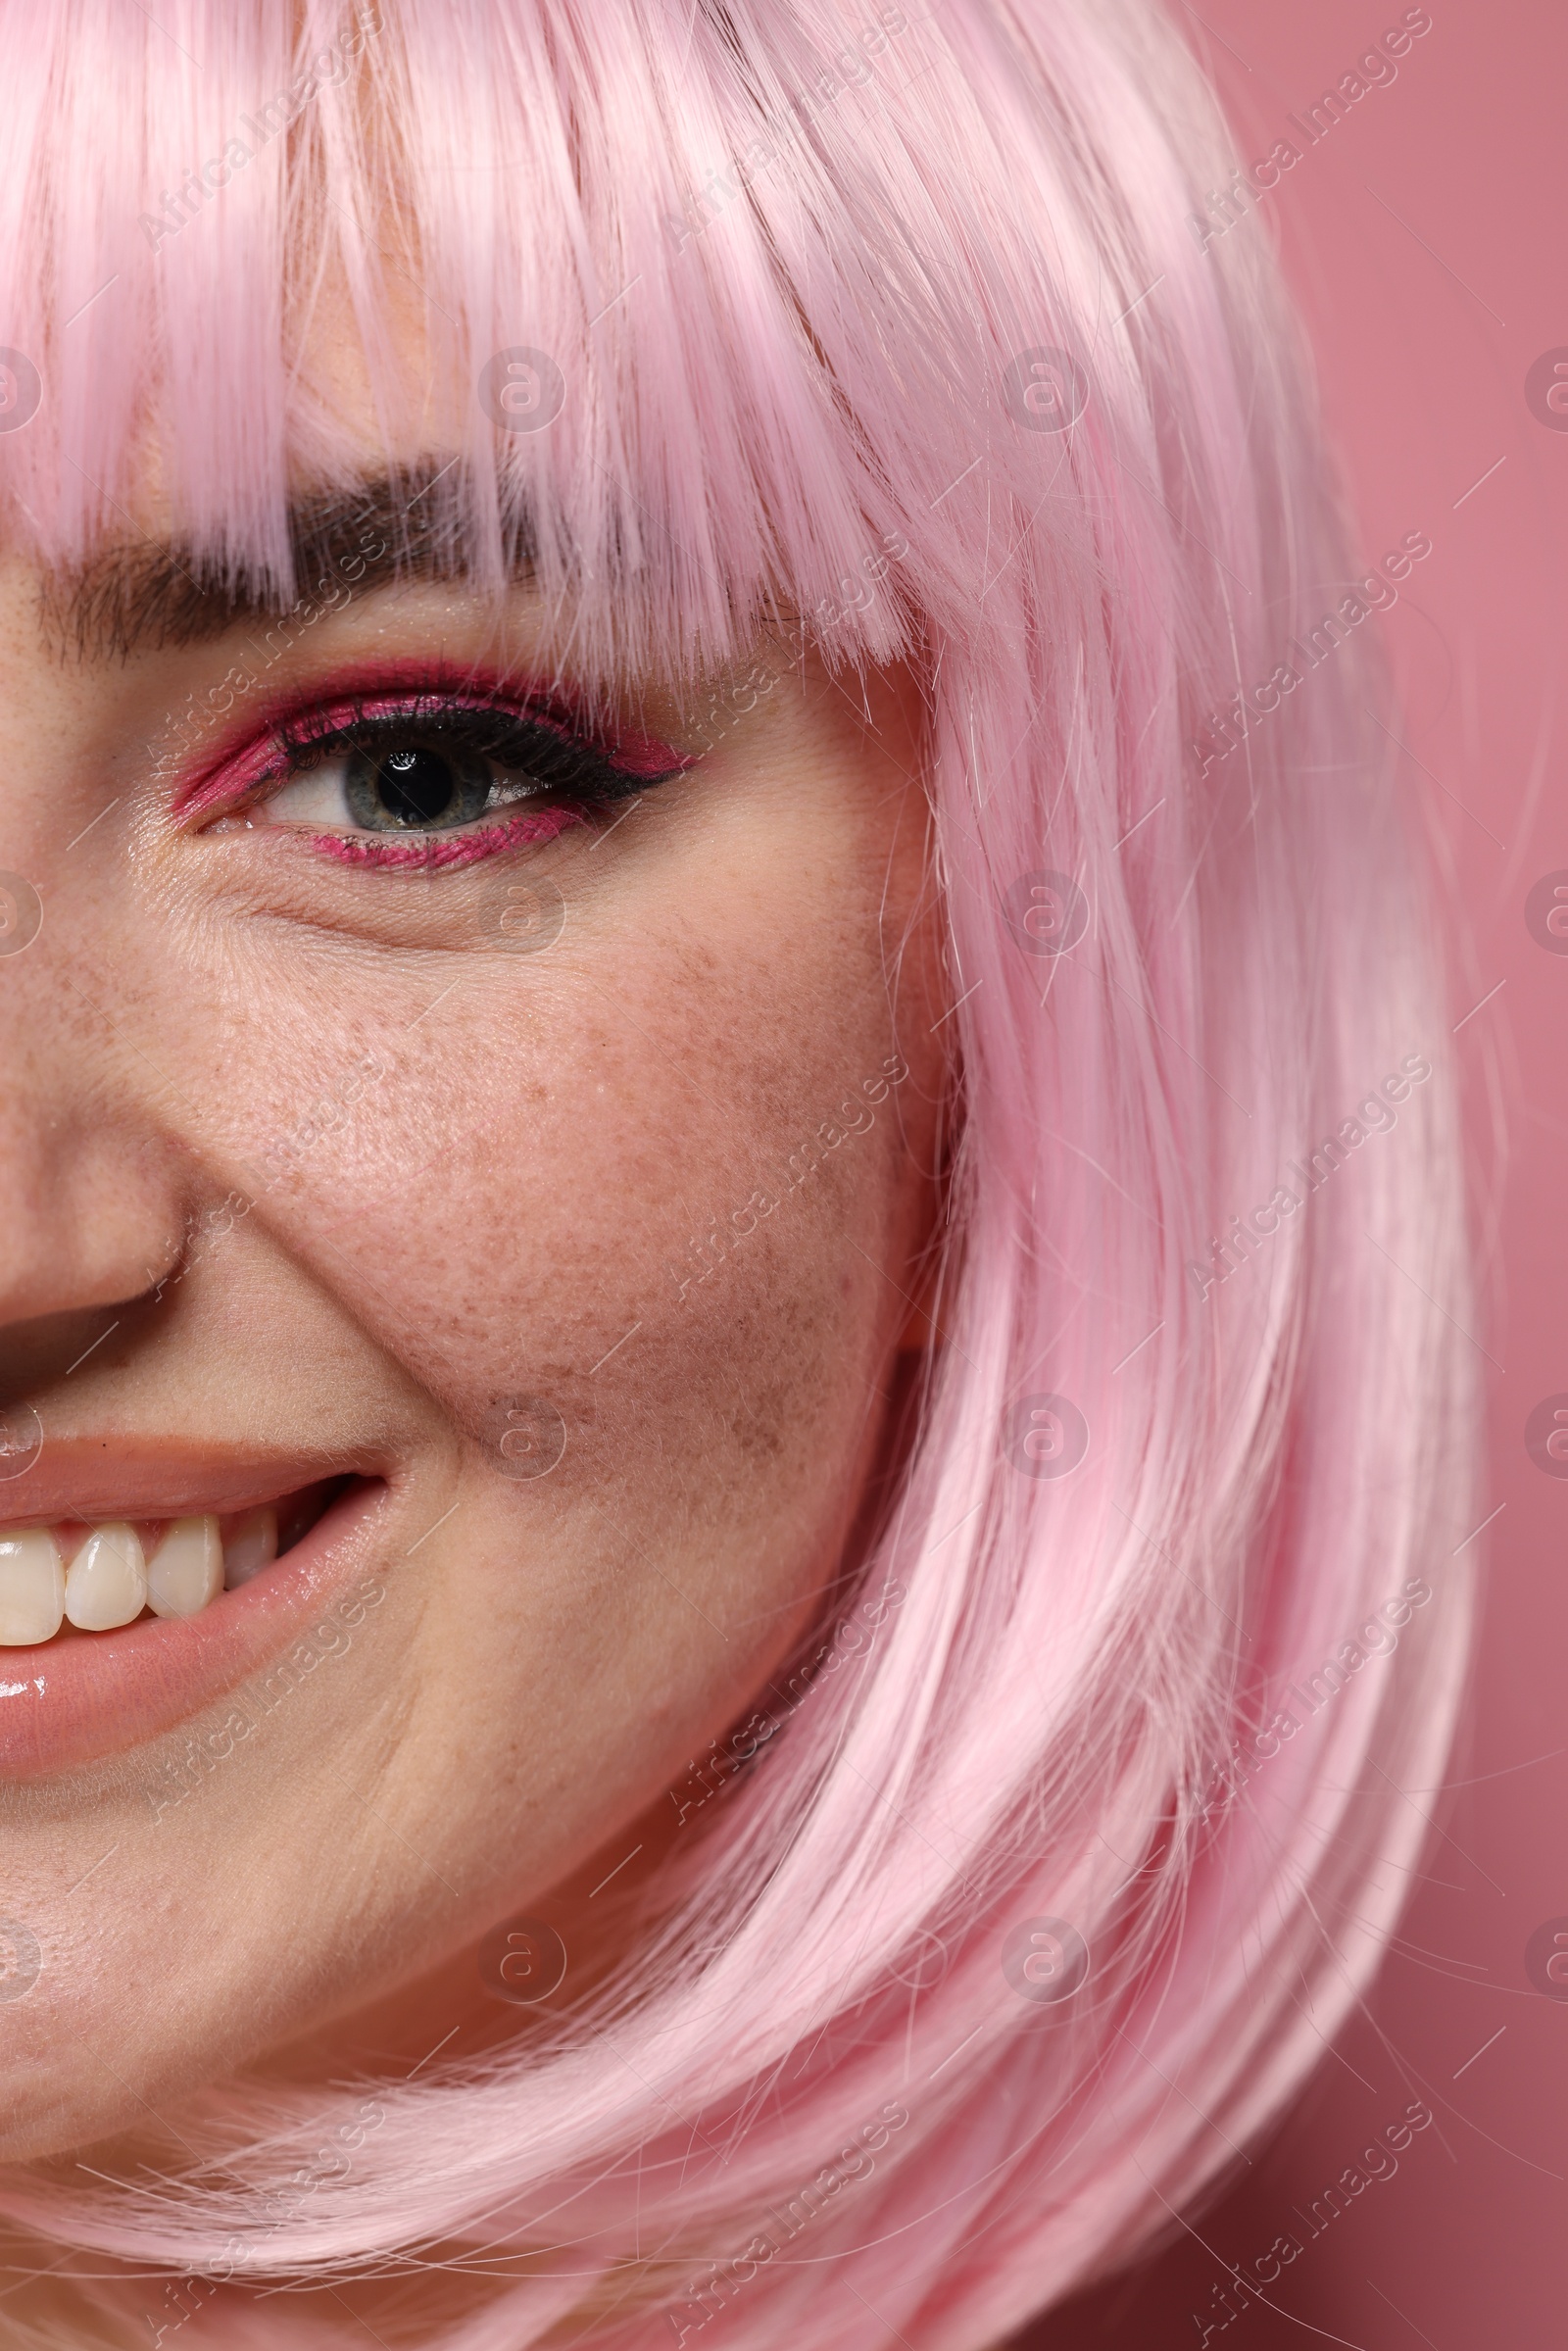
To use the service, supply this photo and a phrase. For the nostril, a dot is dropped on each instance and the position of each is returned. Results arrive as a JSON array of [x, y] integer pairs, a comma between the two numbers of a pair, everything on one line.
[[77, 1342]]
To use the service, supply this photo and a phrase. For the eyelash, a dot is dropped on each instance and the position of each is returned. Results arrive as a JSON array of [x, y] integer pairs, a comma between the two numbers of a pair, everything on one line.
[[568, 775]]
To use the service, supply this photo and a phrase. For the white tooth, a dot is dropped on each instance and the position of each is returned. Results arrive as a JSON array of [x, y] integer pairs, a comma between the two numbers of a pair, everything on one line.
[[106, 1583], [186, 1570], [32, 1587], [249, 1544]]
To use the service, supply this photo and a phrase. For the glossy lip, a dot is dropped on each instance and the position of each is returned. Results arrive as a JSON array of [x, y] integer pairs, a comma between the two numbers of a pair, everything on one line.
[[249, 756], [72, 1703]]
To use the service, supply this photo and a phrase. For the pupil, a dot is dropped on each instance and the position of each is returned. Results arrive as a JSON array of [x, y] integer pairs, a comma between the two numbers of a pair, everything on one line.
[[415, 785]]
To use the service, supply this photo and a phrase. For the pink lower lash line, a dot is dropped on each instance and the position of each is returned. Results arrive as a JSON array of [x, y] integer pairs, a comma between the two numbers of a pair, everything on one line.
[[544, 824]]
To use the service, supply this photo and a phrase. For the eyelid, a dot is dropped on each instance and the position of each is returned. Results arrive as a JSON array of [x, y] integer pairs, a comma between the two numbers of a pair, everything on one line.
[[276, 751]]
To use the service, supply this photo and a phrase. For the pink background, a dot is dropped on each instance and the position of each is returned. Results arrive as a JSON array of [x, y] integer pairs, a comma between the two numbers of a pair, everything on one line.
[[1427, 240]]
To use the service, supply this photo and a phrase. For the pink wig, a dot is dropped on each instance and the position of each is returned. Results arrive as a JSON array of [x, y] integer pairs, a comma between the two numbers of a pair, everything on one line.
[[891, 323]]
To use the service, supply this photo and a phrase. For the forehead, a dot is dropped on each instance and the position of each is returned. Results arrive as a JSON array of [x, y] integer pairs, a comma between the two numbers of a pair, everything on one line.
[[453, 238]]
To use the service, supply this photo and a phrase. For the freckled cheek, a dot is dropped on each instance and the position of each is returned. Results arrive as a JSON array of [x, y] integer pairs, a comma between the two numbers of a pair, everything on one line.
[[574, 1220], [526, 1254]]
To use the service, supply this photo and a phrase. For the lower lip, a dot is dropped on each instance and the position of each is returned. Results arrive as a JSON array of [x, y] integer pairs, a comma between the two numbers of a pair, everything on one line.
[[71, 1702]]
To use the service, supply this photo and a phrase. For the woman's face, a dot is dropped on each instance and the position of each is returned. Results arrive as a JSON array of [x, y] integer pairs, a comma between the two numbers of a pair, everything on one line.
[[528, 1210]]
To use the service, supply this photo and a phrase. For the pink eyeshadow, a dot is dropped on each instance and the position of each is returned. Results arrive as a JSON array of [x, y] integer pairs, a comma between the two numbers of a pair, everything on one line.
[[637, 755]]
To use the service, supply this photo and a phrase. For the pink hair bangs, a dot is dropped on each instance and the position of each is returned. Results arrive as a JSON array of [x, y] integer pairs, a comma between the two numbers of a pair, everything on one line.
[[888, 323]]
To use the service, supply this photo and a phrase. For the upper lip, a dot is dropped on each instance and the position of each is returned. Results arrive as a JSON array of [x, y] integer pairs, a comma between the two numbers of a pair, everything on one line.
[[157, 1478]]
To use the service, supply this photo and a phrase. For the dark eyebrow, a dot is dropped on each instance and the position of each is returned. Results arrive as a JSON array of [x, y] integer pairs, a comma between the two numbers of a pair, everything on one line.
[[158, 594]]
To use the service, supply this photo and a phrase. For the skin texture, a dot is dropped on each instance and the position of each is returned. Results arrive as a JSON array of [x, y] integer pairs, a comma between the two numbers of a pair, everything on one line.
[[497, 1213]]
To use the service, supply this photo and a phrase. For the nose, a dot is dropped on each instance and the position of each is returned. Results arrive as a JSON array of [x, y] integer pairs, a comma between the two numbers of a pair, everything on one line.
[[90, 1184]]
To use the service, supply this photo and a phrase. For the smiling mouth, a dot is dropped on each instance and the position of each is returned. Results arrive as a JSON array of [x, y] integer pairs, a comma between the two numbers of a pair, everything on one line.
[[74, 1575]]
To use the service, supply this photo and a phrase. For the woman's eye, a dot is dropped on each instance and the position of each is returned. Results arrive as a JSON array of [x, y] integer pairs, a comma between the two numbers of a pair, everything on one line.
[[440, 782], [401, 786]]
